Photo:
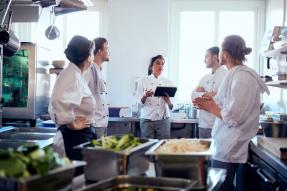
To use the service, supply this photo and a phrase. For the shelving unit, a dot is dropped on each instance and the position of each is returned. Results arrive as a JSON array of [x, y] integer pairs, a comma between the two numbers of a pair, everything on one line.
[[272, 53], [279, 84], [55, 70]]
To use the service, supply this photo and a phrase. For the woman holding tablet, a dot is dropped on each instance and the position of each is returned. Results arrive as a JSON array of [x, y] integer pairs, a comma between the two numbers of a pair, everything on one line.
[[154, 119]]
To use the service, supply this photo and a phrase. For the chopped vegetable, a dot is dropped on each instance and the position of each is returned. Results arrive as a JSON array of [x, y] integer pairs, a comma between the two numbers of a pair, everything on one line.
[[114, 143], [28, 160]]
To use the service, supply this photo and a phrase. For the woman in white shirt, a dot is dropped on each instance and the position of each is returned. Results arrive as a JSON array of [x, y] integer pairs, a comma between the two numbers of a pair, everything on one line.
[[236, 106], [154, 122], [72, 103]]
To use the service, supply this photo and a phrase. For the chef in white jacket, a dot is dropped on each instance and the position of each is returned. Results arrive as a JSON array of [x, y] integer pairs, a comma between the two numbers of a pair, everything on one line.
[[209, 85], [154, 118], [237, 108], [72, 104], [97, 85]]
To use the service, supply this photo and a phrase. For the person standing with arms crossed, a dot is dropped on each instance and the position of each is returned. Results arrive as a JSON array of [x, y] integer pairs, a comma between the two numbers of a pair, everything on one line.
[[208, 86]]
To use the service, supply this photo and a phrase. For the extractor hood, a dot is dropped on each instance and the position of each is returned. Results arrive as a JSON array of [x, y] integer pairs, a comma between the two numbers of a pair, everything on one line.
[[29, 10], [69, 6]]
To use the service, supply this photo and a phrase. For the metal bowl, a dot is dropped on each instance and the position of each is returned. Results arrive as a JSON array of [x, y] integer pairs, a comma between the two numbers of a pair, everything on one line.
[[192, 165], [277, 129], [144, 183], [103, 163], [57, 179]]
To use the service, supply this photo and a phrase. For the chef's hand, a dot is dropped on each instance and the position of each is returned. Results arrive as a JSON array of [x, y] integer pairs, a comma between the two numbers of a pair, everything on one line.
[[208, 105], [200, 89], [209, 95], [168, 101], [147, 94], [79, 123]]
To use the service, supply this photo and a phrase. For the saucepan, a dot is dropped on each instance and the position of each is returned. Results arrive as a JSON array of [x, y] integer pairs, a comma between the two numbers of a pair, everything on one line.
[[10, 42], [274, 128]]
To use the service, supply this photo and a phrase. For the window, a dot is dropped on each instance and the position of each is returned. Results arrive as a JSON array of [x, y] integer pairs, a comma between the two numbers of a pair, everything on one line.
[[199, 25], [68, 24]]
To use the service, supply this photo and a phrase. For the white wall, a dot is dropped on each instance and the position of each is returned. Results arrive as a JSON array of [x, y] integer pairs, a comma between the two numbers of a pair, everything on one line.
[[137, 31]]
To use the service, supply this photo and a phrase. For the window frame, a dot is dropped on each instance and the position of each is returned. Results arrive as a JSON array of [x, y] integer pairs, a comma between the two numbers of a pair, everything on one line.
[[178, 6]]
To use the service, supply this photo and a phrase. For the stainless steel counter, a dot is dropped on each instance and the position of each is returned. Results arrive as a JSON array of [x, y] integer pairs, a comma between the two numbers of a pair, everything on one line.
[[13, 137], [276, 163], [135, 119]]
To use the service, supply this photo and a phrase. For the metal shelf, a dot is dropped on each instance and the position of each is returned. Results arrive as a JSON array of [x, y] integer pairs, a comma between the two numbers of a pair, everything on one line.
[[279, 84], [55, 70], [272, 53]]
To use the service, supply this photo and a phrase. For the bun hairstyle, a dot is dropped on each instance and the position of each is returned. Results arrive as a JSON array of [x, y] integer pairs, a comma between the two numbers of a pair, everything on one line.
[[236, 47], [79, 49], [152, 61]]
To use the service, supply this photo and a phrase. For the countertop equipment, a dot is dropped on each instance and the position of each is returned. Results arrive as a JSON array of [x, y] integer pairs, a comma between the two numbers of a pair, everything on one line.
[[103, 163], [157, 183], [191, 165], [274, 128], [57, 179]]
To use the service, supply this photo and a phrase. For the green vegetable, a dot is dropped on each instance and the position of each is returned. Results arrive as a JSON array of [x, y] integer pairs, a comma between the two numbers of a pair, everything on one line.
[[126, 142], [29, 160], [13, 167]]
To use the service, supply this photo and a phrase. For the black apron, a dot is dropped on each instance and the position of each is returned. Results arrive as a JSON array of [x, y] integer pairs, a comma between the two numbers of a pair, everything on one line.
[[73, 138]]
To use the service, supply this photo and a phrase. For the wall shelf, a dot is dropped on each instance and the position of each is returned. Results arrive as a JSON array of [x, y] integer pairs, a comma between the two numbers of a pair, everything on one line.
[[275, 52], [55, 70], [279, 84]]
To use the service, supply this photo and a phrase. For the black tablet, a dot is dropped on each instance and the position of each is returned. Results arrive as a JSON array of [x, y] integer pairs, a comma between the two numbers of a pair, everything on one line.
[[165, 91]]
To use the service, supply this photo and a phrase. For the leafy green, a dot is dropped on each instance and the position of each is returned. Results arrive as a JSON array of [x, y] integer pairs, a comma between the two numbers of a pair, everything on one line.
[[28, 160], [114, 143]]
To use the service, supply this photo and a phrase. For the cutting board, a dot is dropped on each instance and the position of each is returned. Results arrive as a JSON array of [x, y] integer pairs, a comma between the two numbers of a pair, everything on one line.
[[277, 146]]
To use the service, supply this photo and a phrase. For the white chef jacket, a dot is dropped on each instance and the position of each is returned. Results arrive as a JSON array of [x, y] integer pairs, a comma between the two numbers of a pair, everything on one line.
[[210, 82], [239, 100], [98, 88], [155, 108], [71, 97]]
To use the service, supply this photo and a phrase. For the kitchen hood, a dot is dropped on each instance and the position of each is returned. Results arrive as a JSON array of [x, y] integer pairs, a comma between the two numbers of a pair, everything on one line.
[[69, 6]]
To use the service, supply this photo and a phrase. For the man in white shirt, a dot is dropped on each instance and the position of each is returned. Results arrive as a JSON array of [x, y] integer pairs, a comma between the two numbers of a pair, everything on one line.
[[236, 107], [98, 88], [209, 85]]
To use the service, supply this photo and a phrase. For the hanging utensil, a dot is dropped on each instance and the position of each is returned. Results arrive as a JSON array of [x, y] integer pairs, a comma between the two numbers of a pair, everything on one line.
[[52, 32]]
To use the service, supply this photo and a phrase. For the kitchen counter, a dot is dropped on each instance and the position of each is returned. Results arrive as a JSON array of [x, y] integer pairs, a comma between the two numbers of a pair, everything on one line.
[[13, 137], [179, 127], [135, 119], [276, 163]]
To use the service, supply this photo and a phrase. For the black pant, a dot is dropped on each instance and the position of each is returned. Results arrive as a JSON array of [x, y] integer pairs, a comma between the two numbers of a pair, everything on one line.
[[73, 138], [231, 169]]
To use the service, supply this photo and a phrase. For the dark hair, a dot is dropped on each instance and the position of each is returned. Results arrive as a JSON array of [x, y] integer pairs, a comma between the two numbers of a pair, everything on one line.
[[99, 44], [79, 49], [236, 47], [152, 61], [213, 50]]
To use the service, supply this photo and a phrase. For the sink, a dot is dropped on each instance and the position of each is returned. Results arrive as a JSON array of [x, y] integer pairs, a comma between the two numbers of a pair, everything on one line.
[[27, 129], [26, 136], [34, 129], [8, 143], [5, 144]]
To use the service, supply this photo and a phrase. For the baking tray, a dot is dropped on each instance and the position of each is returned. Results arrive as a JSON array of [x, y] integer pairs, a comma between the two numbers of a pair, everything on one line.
[[158, 183], [192, 165], [103, 163], [57, 179]]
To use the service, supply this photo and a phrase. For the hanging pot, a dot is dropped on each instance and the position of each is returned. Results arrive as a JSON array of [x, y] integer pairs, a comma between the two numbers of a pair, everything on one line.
[[52, 32], [10, 43]]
